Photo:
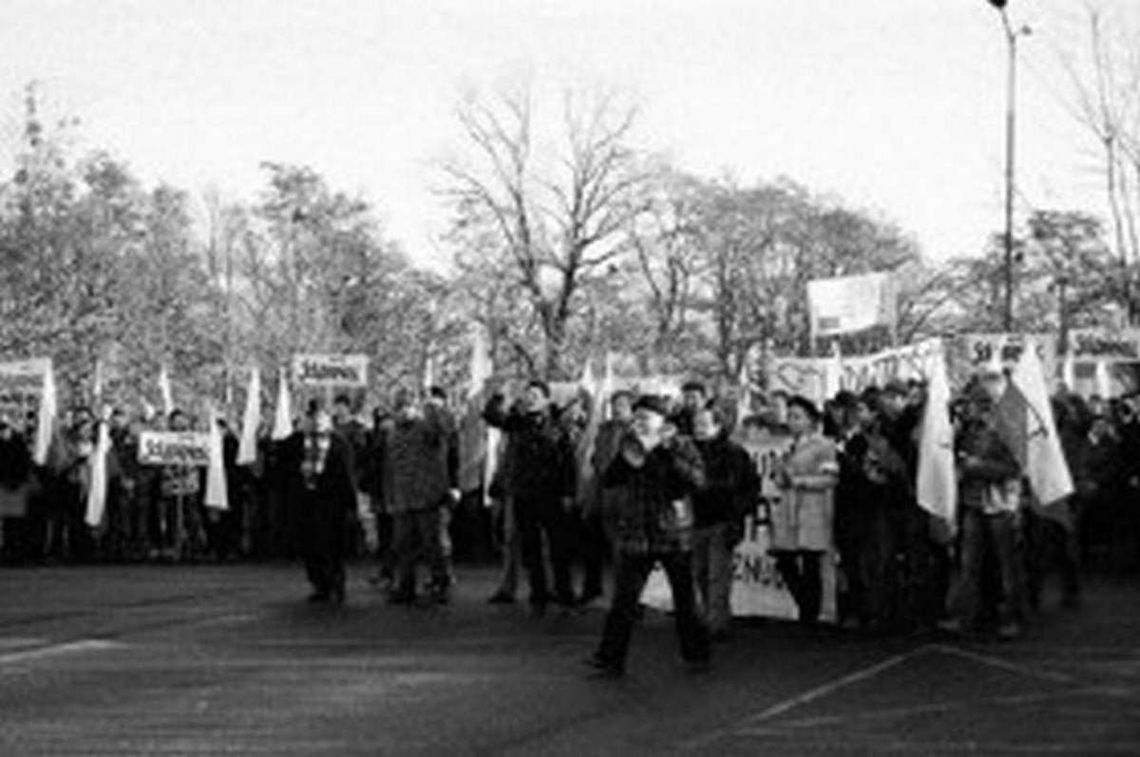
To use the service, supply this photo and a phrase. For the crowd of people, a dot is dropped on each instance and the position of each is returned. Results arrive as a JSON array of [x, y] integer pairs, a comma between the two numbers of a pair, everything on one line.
[[660, 481]]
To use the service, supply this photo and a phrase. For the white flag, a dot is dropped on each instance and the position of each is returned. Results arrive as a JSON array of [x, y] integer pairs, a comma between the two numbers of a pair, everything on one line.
[[166, 391], [283, 418], [216, 495], [97, 488], [937, 485], [481, 368], [833, 372], [45, 417], [251, 420], [1045, 465], [1103, 379], [1069, 373]]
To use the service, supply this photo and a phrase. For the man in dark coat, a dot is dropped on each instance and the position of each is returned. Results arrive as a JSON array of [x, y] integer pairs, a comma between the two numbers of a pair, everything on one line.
[[541, 481], [732, 490], [316, 463], [417, 483], [659, 472]]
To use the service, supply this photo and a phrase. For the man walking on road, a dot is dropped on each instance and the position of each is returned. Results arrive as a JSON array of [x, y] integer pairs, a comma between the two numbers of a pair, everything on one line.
[[659, 471]]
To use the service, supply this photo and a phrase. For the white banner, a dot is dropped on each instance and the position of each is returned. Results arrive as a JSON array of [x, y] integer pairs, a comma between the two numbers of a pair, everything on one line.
[[757, 587], [330, 370], [981, 350], [851, 303], [190, 448], [810, 376]]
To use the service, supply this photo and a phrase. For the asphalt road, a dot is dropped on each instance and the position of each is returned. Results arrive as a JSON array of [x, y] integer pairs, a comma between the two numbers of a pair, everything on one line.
[[230, 660]]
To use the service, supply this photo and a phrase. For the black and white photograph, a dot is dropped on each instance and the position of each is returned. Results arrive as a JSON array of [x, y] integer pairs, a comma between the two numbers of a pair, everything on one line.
[[569, 377]]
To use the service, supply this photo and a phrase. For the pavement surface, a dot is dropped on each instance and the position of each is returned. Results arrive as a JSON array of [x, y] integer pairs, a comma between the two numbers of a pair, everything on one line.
[[230, 660]]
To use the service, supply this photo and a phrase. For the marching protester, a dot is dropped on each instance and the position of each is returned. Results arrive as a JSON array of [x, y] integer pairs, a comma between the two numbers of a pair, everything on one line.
[[659, 471], [540, 482], [802, 523], [437, 402], [418, 483], [597, 515], [989, 500], [731, 492], [316, 464]]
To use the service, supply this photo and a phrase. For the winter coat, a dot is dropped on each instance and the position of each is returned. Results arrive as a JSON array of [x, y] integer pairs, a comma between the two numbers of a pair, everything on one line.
[[732, 484], [803, 518], [541, 464], [995, 469], [321, 515], [416, 470], [654, 503]]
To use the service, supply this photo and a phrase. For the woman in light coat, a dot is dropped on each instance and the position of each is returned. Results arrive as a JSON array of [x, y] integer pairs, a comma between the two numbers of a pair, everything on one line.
[[802, 520]]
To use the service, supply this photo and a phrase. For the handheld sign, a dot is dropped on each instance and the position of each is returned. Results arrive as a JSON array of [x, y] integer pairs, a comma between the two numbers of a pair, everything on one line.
[[330, 370], [189, 448]]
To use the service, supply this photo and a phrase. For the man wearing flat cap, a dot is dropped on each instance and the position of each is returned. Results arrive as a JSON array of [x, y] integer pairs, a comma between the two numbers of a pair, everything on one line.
[[658, 471]]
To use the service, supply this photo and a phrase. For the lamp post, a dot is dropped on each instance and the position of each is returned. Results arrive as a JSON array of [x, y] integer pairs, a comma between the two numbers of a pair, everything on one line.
[[1011, 36]]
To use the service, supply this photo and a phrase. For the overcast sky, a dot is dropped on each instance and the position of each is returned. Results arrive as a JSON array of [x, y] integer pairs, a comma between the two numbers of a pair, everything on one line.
[[894, 105]]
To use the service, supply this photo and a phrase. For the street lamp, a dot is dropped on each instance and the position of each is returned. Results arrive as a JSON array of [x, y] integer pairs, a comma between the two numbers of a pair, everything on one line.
[[1011, 36]]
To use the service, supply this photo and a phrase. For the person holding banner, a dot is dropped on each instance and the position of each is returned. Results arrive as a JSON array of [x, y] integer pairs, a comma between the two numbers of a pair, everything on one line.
[[316, 464], [802, 523], [178, 500], [659, 471]]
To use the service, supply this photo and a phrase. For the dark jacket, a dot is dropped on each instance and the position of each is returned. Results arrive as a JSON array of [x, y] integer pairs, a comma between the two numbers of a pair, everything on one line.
[[416, 469], [649, 518], [732, 485], [320, 515], [994, 463], [541, 466]]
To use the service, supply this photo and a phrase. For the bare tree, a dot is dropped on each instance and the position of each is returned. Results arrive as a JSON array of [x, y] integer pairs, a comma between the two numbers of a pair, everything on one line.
[[556, 213], [1106, 102]]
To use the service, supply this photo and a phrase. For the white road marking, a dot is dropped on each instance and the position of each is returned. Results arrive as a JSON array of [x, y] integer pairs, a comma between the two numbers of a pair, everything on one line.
[[56, 650], [818, 692], [1003, 664]]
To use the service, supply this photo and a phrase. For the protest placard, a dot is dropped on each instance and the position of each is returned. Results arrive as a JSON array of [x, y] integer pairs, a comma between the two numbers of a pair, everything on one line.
[[185, 448], [330, 370]]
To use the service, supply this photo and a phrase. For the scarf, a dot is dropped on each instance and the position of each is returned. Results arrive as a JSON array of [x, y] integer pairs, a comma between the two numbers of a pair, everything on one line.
[[313, 461]]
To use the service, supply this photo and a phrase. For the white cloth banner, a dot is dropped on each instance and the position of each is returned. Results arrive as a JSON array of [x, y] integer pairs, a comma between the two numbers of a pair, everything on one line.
[[812, 377], [851, 303]]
